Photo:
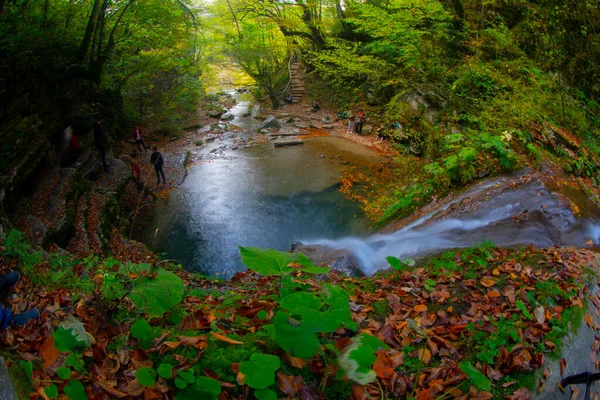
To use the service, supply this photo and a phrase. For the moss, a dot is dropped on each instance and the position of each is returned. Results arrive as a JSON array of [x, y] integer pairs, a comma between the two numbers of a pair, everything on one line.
[[21, 382]]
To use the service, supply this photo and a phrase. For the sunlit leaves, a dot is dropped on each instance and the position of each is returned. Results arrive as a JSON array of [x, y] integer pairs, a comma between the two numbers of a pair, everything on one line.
[[277, 263]]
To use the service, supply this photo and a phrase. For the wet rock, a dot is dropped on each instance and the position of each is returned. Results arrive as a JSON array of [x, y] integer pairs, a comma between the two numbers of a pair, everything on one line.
[[7, 390], [288, 143], [216, 113], [227, 117], [313, 126], [328, 126], [270, 122], [234, 147], [210, 138], [38, 231], [301, 125], [338, 260]]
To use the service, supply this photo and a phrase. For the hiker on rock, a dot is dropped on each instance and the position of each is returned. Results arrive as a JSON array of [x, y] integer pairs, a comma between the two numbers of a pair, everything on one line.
[[156, 159], [288, 99], [360, 120], [137, 136], [100, 142], [7, 318]]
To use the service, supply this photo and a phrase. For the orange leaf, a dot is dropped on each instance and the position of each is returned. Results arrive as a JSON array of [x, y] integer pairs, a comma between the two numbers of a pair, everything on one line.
[[383, 366], [487, 282], [420, 308], [294, 361], [225, 339], [49, 352], [493, 294], [588, 319], [289, 384], [563, 366]]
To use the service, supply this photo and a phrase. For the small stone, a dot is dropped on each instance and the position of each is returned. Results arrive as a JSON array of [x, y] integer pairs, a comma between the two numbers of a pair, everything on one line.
[[322, 156]]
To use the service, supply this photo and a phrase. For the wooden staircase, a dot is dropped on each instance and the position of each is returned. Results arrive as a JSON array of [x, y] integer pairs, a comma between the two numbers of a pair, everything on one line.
[[297, 84]]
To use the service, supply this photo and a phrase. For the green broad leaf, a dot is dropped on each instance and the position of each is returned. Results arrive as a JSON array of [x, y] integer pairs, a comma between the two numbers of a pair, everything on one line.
[[28, 367], [309, 267], [75, 363], [180, 383], [66, 340], [187, 376], [260, 370], [262, 314], [165, 370], [64, 373], [297, 340], [395, 263], [51, 391], [358, 358], [156, 296], [141, 330], [209, 385], [267, 261], [521, 306], [479, 379], [265, 394], [75, 390], [146, 376], [325, 313], [198, 391]]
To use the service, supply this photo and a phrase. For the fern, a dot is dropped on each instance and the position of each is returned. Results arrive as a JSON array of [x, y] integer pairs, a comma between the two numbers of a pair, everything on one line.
[[467, 154]]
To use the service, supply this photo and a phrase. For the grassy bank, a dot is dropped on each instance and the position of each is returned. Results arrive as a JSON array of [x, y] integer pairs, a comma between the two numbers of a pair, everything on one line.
[[478, 320]]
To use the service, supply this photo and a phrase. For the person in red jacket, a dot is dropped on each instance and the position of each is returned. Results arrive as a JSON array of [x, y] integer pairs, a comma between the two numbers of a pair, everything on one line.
[[137, 135], [135, 167]]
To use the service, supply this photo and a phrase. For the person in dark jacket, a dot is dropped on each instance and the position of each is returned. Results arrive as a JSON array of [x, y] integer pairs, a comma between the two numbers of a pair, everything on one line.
[[139, 140], [7, 318], [156, 159], [100, 142]]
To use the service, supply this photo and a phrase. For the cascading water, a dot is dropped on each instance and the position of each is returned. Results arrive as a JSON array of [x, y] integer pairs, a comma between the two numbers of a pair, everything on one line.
[[505, 211]]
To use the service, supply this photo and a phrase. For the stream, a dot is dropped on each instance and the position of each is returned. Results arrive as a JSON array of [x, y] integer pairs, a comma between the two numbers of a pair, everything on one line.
[[244, 191]]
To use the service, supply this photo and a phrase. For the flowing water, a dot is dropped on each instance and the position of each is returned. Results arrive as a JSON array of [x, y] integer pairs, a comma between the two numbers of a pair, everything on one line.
[[273, 197], [507, 211]]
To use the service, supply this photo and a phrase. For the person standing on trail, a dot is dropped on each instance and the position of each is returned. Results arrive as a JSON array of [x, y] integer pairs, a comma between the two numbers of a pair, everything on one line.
[[351, 121], [360, 120], [7, 318], [137, 136], [156, 159], [100, 142]]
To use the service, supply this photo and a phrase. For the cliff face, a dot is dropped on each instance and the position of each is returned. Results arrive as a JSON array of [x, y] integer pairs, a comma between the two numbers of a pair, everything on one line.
[[28, 127]]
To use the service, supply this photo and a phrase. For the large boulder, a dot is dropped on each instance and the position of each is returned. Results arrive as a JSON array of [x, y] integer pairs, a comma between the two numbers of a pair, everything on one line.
[[339, 260], [227, 117], [270, 122], [216, 113]]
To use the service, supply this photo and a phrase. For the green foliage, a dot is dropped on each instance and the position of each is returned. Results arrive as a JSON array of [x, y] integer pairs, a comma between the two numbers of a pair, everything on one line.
[[63, 373], [521, 306], [146, 376], [51, 391], [260, 370], [277, 263], [165, 370], [159, 294], [67, 340], [75, 390], [479, 379], [141, 329], [358, 358], [265, 394], [28, 367]]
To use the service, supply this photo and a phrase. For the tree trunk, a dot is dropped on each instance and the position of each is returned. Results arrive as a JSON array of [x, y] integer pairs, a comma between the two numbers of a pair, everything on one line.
[[459, 9], [89, 31]]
